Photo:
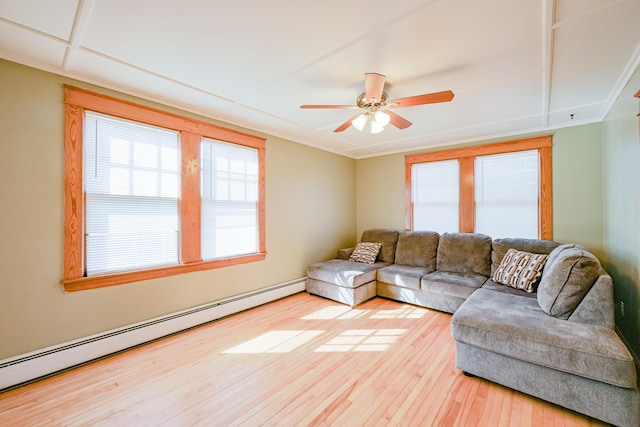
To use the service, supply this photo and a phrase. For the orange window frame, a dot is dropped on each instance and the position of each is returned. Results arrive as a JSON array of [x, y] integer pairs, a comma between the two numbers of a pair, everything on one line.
[[466, 158], [191, 133]]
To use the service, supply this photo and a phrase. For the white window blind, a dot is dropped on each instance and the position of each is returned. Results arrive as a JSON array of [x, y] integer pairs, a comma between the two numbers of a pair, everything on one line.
[[436, 195], [506, 194], [132, 181], [229, 186]]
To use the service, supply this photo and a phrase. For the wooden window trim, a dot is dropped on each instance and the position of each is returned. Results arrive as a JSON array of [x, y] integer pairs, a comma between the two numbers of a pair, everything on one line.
[[191, 131], [466, 156]]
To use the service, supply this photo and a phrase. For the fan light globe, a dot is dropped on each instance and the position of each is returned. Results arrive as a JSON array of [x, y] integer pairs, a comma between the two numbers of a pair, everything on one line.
[[376, 127], [382, 118], [359, 122]]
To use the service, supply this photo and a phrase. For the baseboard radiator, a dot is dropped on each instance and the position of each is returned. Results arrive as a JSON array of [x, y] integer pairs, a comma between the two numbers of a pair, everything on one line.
[[32, 366]]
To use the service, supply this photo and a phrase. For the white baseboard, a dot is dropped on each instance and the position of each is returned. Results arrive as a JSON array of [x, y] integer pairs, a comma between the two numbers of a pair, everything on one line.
[[31, 366]]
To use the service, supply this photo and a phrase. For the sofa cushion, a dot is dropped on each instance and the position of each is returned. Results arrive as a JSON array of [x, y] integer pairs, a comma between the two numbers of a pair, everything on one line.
[[344, 273], [535, 246], [464, 253], [498, 287], [388, 238], [567, 280], [516, 326], [459, 285], [520, 270], [366, 252], [406, 276], [417, 248]]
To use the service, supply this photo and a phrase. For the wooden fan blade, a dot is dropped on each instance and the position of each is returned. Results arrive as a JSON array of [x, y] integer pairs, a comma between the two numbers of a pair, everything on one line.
[[428, 98], [345, 125], [373, 86], [398, 121], [351, 107]]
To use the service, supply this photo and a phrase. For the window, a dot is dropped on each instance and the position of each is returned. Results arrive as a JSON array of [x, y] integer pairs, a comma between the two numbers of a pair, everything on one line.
[[502, 190], [506, 194], [436, 195], [150, 194], [229, 199], [131, 190]]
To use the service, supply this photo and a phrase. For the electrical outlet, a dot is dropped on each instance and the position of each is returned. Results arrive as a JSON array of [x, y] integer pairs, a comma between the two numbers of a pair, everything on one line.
[[622, 308]]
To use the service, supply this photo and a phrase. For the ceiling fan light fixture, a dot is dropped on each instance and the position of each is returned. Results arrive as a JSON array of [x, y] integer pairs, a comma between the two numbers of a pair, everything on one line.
[[374, 98], [359, 122], [381, 118], [376, 127]]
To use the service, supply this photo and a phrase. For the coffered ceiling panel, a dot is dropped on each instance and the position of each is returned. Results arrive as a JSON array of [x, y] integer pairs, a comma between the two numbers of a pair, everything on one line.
[[515, 66]]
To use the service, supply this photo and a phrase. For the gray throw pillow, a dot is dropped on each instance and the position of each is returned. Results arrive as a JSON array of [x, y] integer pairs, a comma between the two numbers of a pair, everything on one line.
[[567, 277], [557, 251]]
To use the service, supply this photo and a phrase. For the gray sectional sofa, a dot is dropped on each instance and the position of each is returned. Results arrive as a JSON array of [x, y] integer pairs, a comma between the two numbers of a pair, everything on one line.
[[557, 343]]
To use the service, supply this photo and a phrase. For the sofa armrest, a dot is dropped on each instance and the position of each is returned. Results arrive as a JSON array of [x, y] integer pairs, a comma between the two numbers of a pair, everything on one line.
[[344, 253], [597, 307]]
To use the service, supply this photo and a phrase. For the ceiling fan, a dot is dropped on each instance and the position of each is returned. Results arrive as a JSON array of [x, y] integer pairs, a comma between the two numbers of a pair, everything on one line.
[[376, 105]]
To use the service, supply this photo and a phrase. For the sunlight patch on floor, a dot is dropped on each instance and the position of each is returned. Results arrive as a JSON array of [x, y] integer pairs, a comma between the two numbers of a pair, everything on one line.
[[362, 340], [335, 312], [275, 342], [404, 312]]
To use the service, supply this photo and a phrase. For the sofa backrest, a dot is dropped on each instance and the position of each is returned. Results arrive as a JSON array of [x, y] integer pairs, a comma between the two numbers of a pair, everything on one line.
[[534, 246], [464, 253], [388, 238], [417, 248]]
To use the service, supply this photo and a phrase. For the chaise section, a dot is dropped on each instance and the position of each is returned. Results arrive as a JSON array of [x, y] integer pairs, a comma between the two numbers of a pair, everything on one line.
[[590, 351], [344, 281], [509, 339], [603, 401], [348, 281], [559, 343]]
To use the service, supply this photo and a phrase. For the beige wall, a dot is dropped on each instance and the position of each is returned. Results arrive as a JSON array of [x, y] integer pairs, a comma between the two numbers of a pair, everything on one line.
[[310, 212], [577, 188], [621, 158], [380, 193]]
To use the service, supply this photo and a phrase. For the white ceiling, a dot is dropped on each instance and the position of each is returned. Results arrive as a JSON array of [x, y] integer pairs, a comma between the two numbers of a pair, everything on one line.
[[515, 66]]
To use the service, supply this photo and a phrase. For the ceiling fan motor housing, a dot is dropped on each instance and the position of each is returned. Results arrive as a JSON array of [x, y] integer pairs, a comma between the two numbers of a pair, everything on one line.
[[363, 102]]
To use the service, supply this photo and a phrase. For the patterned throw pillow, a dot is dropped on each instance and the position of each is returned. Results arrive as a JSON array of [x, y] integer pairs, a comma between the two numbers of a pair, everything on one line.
[[366, 252], [520, 270]]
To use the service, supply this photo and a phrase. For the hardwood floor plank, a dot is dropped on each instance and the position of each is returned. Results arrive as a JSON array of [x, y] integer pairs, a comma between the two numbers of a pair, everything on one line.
[[302, 360]]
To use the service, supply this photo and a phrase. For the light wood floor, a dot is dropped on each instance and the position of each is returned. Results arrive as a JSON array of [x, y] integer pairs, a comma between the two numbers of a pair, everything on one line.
[[299, 361]]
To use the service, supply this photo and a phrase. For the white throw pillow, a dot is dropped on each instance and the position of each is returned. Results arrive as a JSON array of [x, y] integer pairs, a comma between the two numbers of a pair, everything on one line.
[[520, 270], [366, 252]]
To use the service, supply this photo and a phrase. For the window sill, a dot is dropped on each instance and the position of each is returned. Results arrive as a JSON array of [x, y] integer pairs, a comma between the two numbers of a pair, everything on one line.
[[94, 282]]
